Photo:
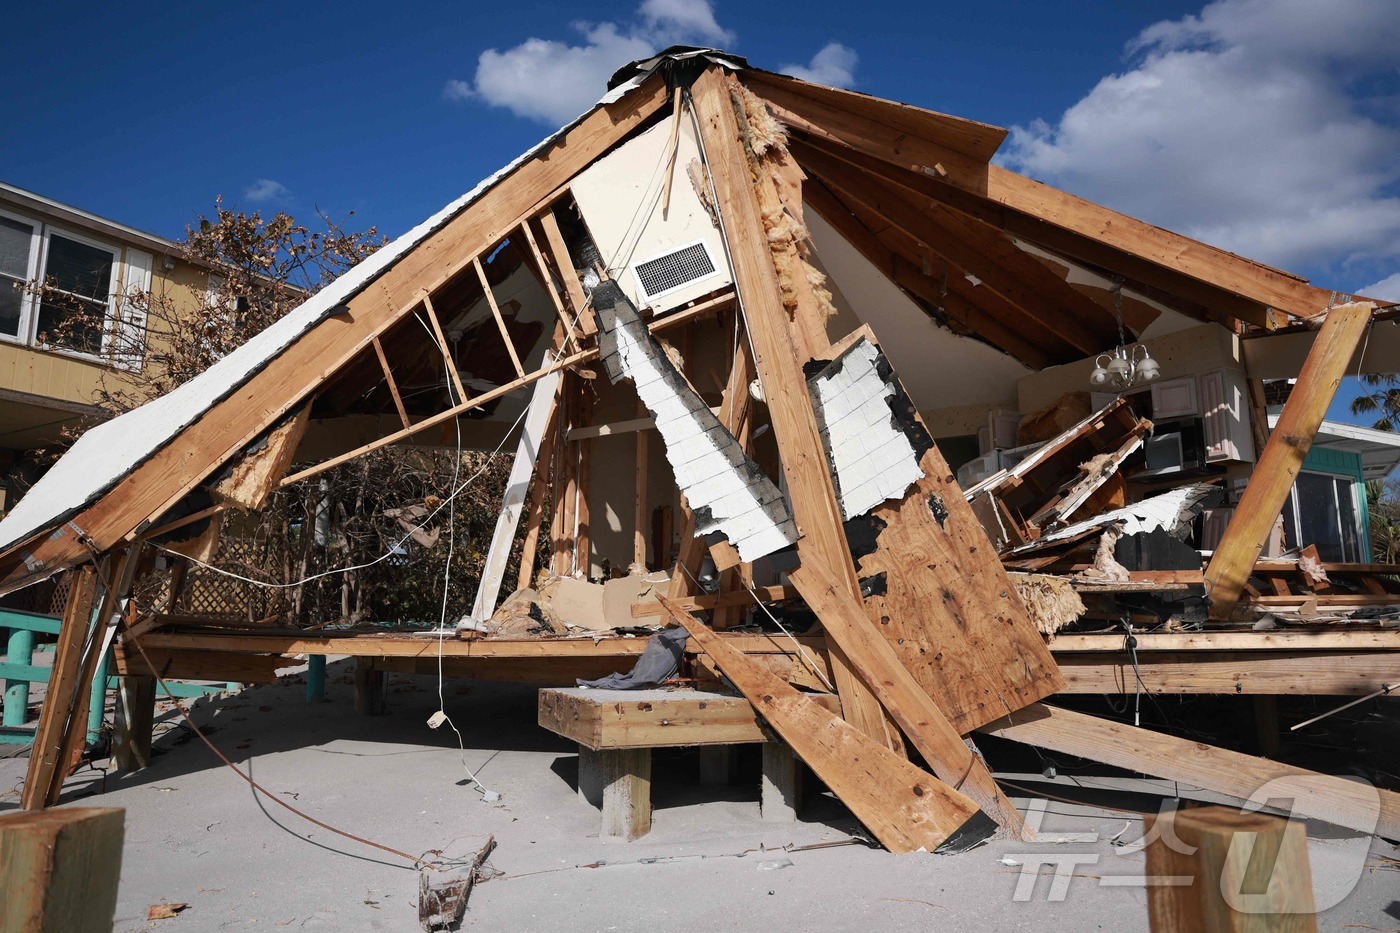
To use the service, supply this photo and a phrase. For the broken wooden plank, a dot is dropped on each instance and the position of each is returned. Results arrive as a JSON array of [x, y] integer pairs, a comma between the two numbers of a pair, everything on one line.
[[906, 699], [78, 621], [1283, 455], [255, 477], [936, 591], [905, 808], [59, 869], [815, 509], [1316, 796]]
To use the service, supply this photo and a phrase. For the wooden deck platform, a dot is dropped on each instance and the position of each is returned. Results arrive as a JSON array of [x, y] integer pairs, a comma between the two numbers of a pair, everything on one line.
[[1330, 660]]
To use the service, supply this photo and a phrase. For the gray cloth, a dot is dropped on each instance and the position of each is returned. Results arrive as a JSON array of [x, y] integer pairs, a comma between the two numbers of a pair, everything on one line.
[[660, 661]]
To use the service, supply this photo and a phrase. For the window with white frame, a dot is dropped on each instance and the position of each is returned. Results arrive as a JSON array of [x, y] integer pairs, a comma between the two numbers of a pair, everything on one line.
[[78, 305], [1322, 511]]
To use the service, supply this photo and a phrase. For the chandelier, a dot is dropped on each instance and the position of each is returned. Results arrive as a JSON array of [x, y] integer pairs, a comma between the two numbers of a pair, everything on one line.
[[1124, 366]]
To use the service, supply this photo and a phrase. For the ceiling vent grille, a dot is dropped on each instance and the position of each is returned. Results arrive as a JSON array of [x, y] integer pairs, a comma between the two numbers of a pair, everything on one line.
[[675, 270]]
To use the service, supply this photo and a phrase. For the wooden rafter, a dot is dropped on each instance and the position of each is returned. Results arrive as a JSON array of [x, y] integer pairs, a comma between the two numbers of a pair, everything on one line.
[[500, 320], [999, 265], [804, 463], [265, 398], [547, 278], [1039, 212], [583, 356], [980, 313], [389, 381], [559, 250], [1282, 457]]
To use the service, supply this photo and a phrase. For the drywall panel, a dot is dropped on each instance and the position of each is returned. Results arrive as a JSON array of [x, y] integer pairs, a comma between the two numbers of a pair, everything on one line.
[[620, 197], [939, 368], [726, 491], [871, 457]]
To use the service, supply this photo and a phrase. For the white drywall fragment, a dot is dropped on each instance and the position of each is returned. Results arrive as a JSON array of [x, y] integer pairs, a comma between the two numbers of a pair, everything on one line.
[[870, 454], [726, 490]]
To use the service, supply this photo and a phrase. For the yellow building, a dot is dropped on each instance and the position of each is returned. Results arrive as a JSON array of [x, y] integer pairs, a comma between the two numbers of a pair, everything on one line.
[[57, 348]]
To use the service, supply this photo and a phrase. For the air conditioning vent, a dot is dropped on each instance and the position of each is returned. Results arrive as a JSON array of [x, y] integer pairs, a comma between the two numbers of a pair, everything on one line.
[[674, 270]]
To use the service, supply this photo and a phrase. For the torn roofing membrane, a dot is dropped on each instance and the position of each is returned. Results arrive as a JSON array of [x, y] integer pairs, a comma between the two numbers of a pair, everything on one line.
[[725, 489], [108, 452]]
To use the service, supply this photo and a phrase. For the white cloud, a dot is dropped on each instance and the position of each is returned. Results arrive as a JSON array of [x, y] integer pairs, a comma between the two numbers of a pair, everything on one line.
[[1268, 127], [1387, 289], [834, 65], [554, 81], [265, 189], [456, 89]]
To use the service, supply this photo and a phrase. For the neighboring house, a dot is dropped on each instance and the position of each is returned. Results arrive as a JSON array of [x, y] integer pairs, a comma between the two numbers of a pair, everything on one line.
[[1327, 506], [55, 348]]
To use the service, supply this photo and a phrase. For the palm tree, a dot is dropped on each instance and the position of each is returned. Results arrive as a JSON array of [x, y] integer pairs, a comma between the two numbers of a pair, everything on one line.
[[1383, 399], [1383, 504]]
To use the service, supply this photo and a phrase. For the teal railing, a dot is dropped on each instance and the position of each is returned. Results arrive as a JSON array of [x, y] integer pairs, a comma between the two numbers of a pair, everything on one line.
[[19, 671]]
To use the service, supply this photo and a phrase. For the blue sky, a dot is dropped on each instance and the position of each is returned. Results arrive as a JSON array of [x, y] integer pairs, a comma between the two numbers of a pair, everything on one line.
[[1270, 127]]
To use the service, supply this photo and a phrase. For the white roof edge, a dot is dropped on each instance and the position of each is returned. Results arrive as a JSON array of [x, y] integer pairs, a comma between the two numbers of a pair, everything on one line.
[[1353, 432]]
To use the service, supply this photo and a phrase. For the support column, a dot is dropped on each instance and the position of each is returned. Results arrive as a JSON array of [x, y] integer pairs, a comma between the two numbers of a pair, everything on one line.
[[1240, 871], [619, 781], [315, 678], [782, 784], [61, 869], [19, 649], [136, 713], [369, 688]]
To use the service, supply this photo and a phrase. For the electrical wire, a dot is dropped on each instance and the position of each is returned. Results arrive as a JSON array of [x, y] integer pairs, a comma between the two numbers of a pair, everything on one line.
[[252, 783], [393, 548], [447, 581]]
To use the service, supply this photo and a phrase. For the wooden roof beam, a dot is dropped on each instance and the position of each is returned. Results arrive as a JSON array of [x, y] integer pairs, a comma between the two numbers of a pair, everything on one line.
[[969, 315], [1002, 267], [1042, 213]]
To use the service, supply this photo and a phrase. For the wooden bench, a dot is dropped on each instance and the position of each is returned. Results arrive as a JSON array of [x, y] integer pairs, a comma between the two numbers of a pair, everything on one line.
[[617, 729]]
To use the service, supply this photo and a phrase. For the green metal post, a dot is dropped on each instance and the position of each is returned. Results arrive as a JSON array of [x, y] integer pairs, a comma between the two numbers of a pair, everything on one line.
[[315, 678], [98, 704], [19, 649]]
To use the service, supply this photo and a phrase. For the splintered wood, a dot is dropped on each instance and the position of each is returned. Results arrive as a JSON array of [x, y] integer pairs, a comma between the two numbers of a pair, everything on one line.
[[932, 583], [903, 806]]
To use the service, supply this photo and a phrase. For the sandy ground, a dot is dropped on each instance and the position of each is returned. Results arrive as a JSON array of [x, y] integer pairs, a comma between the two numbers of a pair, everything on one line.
[[197, 834]]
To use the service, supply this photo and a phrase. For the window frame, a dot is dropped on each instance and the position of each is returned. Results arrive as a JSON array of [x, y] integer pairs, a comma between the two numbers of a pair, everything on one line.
[[111, 319], [1359, 536], [30, 303], [27, 297]]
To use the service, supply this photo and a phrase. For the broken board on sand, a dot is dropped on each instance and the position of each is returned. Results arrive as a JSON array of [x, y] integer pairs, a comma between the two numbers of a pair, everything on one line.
[[904, 807]]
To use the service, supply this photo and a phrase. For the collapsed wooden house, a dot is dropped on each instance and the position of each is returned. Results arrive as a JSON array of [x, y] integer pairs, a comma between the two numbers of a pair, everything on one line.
[[744, 333]]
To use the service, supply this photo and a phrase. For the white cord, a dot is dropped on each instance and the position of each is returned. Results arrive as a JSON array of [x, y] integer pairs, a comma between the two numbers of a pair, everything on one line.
[[446, 583], [393, 548]]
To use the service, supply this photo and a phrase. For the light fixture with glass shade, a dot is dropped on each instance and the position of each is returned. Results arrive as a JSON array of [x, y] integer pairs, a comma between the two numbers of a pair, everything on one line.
[[1123, 367]]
